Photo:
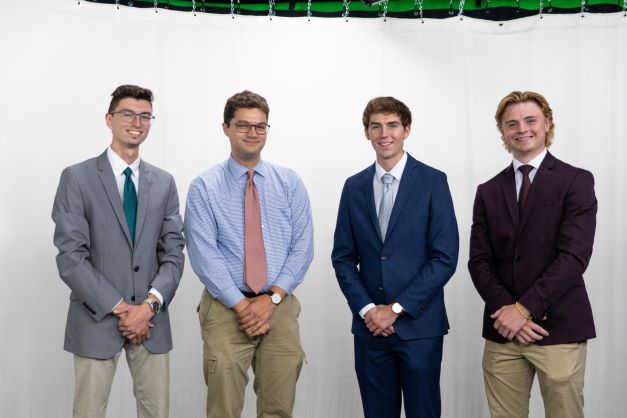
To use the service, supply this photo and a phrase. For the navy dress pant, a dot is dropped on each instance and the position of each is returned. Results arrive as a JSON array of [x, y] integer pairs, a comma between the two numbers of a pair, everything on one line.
[[391, 371]]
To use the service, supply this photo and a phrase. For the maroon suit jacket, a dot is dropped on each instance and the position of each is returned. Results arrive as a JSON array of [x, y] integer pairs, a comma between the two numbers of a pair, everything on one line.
[[538, 257]]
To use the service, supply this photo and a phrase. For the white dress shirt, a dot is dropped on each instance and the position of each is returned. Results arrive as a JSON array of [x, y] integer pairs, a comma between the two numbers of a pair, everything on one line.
[[119, 165], [535, 163]]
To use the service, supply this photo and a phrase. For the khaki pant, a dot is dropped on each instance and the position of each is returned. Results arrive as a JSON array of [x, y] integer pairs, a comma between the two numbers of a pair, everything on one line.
[[509, 369], [150, 373], [276, 359]]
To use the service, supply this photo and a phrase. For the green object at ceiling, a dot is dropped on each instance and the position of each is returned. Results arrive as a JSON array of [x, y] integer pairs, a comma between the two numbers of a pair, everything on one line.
[[497, 10]]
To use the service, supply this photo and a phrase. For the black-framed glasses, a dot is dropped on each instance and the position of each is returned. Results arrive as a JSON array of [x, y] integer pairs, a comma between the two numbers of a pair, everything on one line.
[[244, 127], [129, 116]]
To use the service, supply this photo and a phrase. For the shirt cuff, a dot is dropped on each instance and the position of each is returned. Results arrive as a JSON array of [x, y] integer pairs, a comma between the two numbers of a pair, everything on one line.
[[116, 305], [158, 295], [365, 310], [286, 283], [230, 297]]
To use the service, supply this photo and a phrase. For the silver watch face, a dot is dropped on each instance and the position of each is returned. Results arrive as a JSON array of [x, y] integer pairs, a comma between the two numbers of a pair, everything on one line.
[[154, 305], [396, 308], [276, 298]]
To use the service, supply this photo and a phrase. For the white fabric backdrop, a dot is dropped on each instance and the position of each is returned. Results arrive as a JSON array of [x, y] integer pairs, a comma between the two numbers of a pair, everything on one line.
[[60, 61]]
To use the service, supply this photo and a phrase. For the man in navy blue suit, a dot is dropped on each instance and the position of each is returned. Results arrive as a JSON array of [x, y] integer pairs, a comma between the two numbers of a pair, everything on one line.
[[395, 247]]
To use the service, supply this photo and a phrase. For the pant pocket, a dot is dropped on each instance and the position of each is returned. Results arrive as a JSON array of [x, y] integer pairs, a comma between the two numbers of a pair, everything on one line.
[[209, 367], [204, 307]]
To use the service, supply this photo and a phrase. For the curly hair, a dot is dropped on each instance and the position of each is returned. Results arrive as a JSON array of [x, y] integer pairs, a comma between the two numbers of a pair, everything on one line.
[[244, 100]]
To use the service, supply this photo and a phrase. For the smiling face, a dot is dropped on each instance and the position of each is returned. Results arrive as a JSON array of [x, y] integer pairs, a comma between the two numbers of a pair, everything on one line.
[[524, 130], [246, 146], [128, 135], [387, 135]]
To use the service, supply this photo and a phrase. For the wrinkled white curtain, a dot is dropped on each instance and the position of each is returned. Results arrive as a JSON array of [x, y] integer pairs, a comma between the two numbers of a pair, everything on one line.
[[60, 61]]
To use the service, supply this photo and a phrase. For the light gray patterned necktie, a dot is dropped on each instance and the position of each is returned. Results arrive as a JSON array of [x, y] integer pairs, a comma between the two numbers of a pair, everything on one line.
[[385, 207]]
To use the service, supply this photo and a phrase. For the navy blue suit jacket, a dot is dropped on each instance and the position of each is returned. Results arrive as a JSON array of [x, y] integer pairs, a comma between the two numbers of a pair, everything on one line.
[[417, 258]]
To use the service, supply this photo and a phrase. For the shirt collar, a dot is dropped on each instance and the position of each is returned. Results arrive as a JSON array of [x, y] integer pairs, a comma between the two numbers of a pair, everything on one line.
[[535, 163], [119, 165], [396, 171], [237, 170]]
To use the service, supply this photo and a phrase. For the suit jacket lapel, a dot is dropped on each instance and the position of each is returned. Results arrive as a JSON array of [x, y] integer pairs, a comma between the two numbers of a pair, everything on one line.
[[538, 186], [368, 191], [145, 181], [508, 187], [105, 172], [405, 189]]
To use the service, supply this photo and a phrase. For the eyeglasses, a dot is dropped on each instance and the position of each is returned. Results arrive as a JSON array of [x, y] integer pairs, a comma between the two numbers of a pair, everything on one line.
[[129, 116], [244, 127]]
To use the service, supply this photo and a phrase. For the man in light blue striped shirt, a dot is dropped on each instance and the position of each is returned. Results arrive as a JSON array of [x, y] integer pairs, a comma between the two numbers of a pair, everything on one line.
[[235, 321]]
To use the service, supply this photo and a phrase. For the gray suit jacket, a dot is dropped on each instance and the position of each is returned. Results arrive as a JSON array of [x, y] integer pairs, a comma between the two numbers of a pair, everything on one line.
[[100, 264]]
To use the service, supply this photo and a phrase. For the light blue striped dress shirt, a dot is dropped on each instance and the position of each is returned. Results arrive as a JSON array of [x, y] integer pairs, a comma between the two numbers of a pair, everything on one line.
[[214, 228]]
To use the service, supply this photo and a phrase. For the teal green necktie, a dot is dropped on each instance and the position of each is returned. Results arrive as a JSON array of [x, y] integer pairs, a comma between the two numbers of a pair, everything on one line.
[[130, 202]]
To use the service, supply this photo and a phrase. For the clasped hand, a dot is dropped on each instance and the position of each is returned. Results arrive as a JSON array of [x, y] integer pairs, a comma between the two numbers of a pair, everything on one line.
[[509, 322], [380, 320], [254, 315], [134, 321]]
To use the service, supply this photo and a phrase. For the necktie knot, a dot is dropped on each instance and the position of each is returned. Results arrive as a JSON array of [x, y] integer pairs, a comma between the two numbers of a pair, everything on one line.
[[387, 178], [525, 169], [250, 173], [128, 172]]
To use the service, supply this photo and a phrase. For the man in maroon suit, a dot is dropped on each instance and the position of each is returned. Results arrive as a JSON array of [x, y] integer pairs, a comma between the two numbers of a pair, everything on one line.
[[531, 241]]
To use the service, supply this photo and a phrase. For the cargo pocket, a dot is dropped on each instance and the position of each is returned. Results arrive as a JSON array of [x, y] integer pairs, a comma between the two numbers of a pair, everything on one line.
[[209, 367]]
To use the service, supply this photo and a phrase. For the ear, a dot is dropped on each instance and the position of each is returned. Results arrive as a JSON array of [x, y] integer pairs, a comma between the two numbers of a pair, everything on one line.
[[366, 133], [500, 131], [109, 119], [225, 129], [407, 131], [549, 123]]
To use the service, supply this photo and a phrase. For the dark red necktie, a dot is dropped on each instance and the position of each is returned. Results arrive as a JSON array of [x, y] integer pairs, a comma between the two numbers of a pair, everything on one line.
[[526, 185]]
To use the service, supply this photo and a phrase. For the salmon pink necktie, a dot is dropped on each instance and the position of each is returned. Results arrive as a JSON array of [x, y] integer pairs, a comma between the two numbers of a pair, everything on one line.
[[255, 274]]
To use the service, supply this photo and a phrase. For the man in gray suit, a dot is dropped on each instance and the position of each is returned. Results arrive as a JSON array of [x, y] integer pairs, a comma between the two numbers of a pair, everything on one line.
[[119, 236]]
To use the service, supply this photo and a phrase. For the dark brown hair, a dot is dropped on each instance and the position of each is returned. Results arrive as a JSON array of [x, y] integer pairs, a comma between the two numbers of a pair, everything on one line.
[[386, 105], [244, 100], [129, 90]]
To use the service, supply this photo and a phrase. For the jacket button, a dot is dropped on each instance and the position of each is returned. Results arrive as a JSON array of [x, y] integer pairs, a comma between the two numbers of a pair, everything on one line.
[[517, 258], [381, 288], [136, 269], [384, 257], [133, 298]]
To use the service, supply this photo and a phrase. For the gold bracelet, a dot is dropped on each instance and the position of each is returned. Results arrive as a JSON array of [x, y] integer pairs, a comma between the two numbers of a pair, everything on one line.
[[520, 311]]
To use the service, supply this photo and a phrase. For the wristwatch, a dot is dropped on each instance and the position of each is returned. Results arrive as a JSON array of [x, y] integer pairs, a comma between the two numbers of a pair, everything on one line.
[[274, 297], [397, 308], [154, 305]]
